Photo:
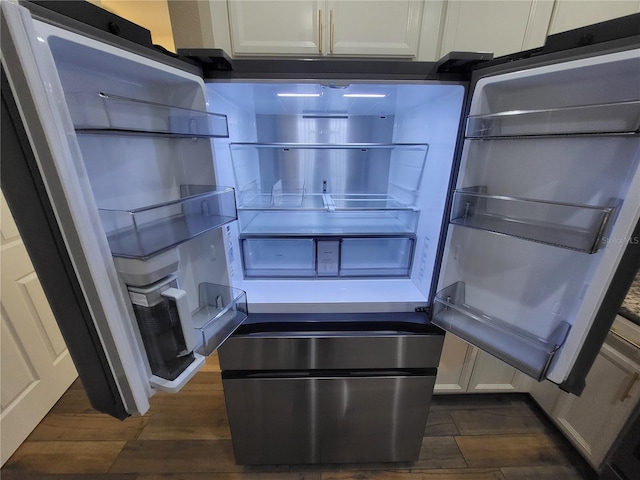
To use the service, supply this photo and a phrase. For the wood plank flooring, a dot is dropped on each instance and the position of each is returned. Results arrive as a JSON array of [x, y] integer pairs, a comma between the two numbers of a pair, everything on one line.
[[186, 437]]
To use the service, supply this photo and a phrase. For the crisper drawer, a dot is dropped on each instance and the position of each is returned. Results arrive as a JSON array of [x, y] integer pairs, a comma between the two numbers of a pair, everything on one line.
[[327, 256], [376, 416], [381, 256], [279, 257]]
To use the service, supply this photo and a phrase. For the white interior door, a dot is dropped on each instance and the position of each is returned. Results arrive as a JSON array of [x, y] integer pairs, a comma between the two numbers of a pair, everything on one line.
[[36, 365]]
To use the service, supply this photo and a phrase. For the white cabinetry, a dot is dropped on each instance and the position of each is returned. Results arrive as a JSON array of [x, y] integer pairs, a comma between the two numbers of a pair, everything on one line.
[[276, 27], [317, 27], [592, 421], [494, 26], [465, 369], [456, 366], [493, 375], [382, 28], [569, 14]]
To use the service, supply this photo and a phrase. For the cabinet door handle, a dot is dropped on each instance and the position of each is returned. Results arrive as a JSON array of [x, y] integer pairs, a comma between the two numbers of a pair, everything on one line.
[[625, 394], [330, 31], [320, 31]]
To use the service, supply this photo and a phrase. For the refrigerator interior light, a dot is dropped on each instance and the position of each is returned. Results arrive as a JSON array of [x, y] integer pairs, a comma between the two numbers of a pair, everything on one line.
[[365, 95], [298, 94]]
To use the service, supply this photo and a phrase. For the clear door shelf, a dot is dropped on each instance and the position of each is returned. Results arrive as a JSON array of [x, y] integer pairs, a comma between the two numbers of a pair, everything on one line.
[[566, 225], [607, 118], [112, 114], [143, 232], [222, 309], [520, 349]]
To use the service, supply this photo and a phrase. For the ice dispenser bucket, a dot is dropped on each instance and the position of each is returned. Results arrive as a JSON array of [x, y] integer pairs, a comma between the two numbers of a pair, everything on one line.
[[163, 317]]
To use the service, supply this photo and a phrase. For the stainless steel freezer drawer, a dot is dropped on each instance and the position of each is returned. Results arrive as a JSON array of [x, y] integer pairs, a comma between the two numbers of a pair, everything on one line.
[[299, 418], [329, 388]]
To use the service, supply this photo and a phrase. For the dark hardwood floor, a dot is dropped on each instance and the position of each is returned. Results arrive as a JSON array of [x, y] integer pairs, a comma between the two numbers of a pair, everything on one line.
[[186, 437]]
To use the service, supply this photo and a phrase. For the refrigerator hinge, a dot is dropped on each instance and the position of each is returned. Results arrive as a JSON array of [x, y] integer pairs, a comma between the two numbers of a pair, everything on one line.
[[209, 59]]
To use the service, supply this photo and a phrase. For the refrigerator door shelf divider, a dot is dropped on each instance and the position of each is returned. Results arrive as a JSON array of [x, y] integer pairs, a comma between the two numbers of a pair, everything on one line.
[[143, 232], [520, 349], [222, 309], [565, 225], [606, 118], [104, 113]]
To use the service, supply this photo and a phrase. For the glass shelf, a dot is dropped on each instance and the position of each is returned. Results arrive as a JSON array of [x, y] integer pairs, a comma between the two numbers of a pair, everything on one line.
[[301, 222], [222, 309], [565, 225], [519, 348], [143, 232], [333, 189], [608, 118], [103, 113], [420, 147]]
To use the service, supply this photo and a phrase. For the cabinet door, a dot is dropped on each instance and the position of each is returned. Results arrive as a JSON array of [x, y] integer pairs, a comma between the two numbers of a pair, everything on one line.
[[493, 375], [495, 26], [276, 27], [463, 369], [592, 421], [36, 365], [569, 14], [378, 27], [456, 365]]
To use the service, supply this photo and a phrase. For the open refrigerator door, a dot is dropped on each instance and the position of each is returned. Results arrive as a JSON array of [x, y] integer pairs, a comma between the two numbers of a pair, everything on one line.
[[545, 205], [121, 145]]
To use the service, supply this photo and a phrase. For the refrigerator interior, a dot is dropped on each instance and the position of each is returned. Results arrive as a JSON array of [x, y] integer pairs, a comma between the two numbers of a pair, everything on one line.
[[145, 140], [340, 189], [547, 196]]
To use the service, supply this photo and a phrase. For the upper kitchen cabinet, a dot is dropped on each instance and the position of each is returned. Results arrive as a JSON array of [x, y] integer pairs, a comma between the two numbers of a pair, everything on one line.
[[569, 14], [276, 27], [494, 26], [348, 28], [383, 28]]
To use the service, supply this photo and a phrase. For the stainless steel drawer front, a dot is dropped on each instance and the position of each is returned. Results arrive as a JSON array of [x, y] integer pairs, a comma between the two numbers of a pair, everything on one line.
[[351, 418], [326, 350]]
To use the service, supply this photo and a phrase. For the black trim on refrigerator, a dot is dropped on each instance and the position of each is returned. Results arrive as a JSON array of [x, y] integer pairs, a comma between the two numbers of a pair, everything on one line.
[[622, 280], [594, 34], [562, 47], [216, 64], [24, 190]]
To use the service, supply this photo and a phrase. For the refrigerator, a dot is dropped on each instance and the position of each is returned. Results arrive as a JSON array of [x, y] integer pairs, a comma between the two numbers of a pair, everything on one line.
[[164, 199]]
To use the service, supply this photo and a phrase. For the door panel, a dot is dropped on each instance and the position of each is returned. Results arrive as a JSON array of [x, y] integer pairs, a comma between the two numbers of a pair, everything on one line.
[[531, 299], [36, 365]]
